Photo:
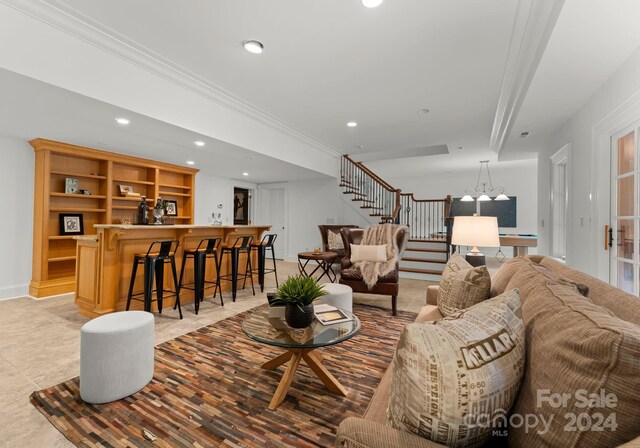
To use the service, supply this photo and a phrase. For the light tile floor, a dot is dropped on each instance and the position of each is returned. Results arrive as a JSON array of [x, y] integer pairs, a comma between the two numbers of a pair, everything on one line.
[[40, 347]]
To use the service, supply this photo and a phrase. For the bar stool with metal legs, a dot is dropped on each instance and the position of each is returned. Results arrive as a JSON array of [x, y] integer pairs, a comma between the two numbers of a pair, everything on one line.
[[262, 247], [208, 248], [241, 245], [153, 261]]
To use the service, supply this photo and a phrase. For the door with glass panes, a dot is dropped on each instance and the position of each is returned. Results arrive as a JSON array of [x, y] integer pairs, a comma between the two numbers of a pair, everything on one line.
[[625, 210]]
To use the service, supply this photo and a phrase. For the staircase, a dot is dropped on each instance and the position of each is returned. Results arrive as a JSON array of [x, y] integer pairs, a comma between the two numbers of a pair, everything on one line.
[[428, 219]]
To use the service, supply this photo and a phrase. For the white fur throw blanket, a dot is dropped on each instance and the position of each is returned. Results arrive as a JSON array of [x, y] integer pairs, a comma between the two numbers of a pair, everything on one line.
[[386, 234]]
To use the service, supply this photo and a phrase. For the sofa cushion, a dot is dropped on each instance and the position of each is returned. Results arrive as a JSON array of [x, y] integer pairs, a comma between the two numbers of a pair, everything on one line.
[[354, 274], [503, 275], [453, 374], [462, 285], [530, 276], [575, 348], [622, 304]]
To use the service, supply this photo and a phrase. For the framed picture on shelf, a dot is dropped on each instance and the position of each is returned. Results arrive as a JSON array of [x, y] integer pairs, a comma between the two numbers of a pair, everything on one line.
[[71, 185], [171, 208], [125, 189], [71, 224]]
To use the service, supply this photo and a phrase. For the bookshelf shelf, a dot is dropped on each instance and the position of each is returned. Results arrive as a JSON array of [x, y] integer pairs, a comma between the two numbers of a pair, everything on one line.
[[101, 172]]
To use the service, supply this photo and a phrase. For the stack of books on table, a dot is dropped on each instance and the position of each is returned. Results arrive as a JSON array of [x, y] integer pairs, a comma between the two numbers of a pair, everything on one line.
[[329, 315]]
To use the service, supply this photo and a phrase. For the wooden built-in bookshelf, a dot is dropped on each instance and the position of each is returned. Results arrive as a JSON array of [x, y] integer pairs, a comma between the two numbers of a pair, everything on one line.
[[100, 172]]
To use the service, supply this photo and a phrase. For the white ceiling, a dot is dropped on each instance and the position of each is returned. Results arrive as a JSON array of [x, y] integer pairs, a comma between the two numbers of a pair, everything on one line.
[[329, 62], [591, 40], [38, 109], [332, 61]]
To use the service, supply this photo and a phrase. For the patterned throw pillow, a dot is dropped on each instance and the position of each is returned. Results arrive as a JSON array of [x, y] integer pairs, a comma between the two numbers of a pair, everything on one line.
[[334, 240], [462, 285], [453, 377]]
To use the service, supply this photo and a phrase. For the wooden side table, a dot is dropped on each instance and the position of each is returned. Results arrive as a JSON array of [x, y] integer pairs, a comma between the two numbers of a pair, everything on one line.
[[324, 260]]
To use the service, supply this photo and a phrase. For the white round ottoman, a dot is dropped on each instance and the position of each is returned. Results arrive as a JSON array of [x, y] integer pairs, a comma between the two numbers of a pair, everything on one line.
[[116, 356], [340, 296]]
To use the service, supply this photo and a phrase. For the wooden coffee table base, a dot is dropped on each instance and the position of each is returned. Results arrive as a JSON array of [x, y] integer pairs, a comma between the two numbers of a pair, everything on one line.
[[313, 360]]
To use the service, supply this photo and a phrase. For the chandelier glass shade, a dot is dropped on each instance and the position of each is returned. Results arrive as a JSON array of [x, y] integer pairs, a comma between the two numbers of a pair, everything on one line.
[[484, 188]]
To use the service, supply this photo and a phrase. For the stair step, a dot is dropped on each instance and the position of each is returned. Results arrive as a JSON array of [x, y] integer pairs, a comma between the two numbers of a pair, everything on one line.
[[428, 240], [424, 260], [357, 193], [363, 200], [437, 251], [376, 214], [373, 208], [420, 271]]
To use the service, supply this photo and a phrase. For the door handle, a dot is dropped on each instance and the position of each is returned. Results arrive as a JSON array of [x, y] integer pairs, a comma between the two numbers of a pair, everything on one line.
[[608, 237]]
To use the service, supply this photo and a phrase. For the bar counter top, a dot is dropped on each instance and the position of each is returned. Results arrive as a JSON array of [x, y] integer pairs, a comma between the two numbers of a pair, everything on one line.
[[177, 226], [104, 261]]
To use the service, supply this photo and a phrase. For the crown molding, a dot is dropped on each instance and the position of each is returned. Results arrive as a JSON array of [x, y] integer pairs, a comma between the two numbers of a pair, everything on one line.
[[71, 21], [533, 25]]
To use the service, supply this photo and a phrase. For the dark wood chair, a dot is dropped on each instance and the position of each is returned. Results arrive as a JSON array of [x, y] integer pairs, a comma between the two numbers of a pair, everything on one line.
[[387, 285], [335, 228]]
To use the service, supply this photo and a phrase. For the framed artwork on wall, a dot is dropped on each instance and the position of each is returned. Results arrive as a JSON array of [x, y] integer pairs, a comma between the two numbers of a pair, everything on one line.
[[240, 206], [71, 224]]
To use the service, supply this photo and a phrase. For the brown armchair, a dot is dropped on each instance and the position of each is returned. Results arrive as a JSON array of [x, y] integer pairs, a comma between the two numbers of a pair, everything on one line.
[[324, 233], [387, 285]]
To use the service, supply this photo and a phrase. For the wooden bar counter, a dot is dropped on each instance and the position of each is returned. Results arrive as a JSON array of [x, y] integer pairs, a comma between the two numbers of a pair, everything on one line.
[[105, 260]]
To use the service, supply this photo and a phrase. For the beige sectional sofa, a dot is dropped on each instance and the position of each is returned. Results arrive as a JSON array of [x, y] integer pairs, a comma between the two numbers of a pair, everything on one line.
[[371, 430]]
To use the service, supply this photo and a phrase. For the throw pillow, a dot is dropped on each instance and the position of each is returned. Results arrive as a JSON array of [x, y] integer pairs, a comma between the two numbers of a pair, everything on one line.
[[361, 252], [334, 240], [581, 374], [454, 376], [462, 285]]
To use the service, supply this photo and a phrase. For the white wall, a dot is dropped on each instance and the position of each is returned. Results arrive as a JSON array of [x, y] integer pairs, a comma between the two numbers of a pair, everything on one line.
[[16, 225], [311, 203], [517, 181], [587, 205]]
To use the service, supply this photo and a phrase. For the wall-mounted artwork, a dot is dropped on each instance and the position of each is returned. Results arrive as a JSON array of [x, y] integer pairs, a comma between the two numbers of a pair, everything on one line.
[[505, 211], [459, 208], [240, 206]]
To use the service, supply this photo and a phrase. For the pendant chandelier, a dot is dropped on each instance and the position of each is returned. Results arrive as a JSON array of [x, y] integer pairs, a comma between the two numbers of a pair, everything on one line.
[[484, 190]]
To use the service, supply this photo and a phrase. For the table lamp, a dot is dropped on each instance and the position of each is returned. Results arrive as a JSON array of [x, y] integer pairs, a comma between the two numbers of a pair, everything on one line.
[[475, 231]]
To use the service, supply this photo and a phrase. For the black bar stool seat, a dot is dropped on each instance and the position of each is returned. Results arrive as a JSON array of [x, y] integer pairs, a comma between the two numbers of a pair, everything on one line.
[[153, 261], [207, 248], [261, 248], [241, 245]]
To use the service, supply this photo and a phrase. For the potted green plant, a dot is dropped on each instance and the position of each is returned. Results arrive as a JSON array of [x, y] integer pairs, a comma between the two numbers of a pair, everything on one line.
[[297, 295]]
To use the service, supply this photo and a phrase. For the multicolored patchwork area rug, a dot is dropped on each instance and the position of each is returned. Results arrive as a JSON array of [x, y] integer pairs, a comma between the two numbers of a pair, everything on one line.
[[209, 390]]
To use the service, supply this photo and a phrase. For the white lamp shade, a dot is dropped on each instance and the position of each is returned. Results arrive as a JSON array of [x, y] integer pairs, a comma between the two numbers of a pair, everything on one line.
[[502, 197], [476, 231], [484, 197], [467, 198]]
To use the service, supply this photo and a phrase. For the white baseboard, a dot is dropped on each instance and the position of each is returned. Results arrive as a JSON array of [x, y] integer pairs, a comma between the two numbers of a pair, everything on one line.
[[14, 292]]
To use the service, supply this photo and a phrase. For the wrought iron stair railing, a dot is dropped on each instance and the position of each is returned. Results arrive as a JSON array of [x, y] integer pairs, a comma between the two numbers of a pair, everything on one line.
[[375, 195]]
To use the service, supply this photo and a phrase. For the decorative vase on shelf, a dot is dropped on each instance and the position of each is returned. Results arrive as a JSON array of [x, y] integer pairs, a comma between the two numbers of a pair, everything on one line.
[[298, 316], [143, 211], [158, 213]]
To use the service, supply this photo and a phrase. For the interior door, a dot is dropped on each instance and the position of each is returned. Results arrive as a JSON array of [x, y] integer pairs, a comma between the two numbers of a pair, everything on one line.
[[273, 209], [625, 211]]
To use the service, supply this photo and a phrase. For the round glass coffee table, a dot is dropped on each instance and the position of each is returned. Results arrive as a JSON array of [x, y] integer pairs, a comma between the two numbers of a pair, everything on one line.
[[300, 344]]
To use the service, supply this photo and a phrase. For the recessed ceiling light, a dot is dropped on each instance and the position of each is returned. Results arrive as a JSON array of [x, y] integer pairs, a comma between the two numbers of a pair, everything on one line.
[[190, 162], [245, 174], [248, 157], [198, 143], [352, 124], [371, 3], [253, 46], [123, 121], [360, 146]]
